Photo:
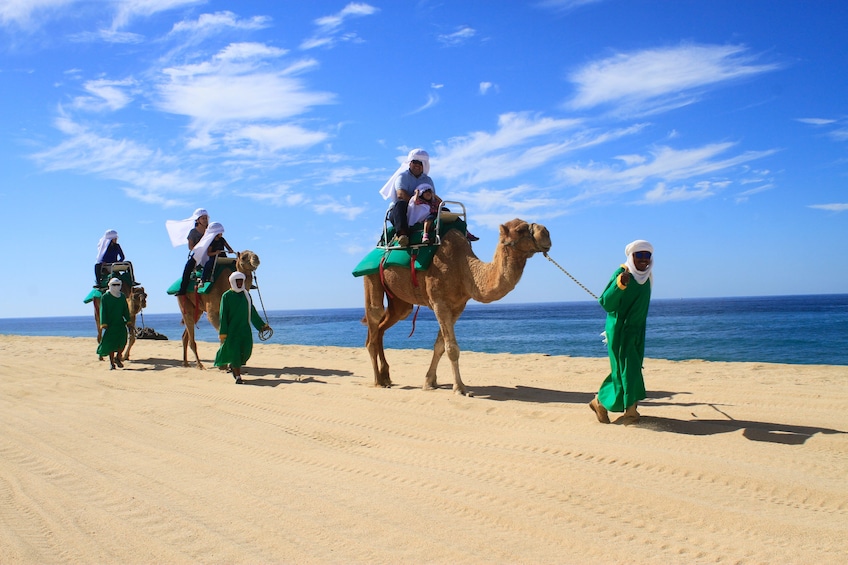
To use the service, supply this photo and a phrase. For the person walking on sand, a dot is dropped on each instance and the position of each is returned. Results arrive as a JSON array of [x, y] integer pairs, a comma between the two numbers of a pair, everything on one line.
[[237, 313], [114, 317], [626, 299]]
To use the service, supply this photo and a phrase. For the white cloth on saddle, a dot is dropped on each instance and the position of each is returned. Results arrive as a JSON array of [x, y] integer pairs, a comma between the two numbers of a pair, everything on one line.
[[178, 229], [199, 251], [388, 191], [103, 244]]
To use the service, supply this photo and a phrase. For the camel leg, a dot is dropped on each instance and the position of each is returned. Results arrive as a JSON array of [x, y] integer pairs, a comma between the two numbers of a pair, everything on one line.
[[375, 313], [438, 350], [130, 337], [447, 320]]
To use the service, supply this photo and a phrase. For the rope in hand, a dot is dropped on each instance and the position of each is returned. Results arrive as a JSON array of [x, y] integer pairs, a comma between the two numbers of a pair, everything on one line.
[[264, 335], [569, 276]]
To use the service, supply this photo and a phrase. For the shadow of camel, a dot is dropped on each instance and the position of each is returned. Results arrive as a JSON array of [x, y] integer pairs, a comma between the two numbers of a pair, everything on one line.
[[301, 374], [785, 434]]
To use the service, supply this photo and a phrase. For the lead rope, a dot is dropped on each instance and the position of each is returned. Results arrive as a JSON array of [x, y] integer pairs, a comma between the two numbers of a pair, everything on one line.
[[264, 335], [569, 276]]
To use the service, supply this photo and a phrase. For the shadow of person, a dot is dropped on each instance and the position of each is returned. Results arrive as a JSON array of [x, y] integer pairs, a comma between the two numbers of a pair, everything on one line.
[[785, 434]]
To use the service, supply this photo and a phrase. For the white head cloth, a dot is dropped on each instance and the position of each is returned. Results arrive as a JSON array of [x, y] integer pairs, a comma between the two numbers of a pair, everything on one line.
[[104, 243], [199, 251], [178, 229], [233, 278], [388, 190], [115, 287], [418, 212], [632, 247]]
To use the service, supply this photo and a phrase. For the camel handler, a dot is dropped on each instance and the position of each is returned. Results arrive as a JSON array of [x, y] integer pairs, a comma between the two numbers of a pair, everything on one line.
[[237, 314], [114, 317]]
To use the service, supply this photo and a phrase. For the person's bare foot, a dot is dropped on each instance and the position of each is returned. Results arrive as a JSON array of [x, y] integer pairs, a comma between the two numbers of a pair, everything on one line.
[[600, 411]]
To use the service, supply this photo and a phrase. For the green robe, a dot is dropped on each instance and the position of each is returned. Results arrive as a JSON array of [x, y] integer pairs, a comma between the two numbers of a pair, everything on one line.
[[235, 324], [114, 314], [627, 313]]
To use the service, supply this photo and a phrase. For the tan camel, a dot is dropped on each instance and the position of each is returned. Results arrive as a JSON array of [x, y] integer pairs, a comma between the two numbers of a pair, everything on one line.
[[193, 305], [455, 276], [137, 301]]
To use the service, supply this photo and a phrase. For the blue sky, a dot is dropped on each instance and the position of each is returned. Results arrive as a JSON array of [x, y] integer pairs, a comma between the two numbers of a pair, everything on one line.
[[716, 130]]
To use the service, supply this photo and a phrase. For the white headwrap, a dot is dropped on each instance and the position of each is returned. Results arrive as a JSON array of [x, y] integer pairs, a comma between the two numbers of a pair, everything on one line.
[[419, 212], [199, 251], [104, 243], [233, 278], [639, 245], [388, 190], [115, 287], [178, 229]]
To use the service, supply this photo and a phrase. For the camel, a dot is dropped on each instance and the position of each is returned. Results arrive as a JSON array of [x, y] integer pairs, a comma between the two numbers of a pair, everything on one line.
[[193, 305], [137, 301], [455, 276]]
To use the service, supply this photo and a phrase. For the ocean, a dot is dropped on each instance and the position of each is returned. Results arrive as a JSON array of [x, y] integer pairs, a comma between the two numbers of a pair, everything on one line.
[[809, 329]]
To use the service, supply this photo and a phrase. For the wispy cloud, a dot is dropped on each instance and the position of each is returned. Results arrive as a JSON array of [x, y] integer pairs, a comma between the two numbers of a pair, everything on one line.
[[522, 142], [329, 28], [212, 23], [836, 207], [691, 172], [127, 10], [653, 80], [838, 130], [106, 95], [29, 13], [339, 206], [566, 5], [458, 37]]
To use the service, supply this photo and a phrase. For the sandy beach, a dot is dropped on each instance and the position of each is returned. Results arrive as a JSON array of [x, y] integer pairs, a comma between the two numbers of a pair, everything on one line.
[[309, 463]]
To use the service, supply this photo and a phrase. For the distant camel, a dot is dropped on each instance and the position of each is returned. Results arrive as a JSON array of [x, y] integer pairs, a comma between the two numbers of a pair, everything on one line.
[[137, 301], [193, 305], [455, 276]]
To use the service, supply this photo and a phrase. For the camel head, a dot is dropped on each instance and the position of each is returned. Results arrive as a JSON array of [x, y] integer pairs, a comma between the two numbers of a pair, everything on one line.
[[247, 262], [139, 299], [527, 239]]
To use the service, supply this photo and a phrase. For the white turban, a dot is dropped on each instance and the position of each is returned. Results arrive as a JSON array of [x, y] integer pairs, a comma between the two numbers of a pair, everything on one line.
[[233, 278], [388, 190], [178, 229], [115, 287], [199, 251], [629, 250], [104, 243]]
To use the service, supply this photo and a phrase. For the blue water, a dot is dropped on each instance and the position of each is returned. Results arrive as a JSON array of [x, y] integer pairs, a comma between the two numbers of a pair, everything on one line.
[[777, 329]]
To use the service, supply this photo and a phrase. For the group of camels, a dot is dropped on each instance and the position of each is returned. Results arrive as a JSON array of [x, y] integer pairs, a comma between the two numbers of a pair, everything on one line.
[[454, 277]]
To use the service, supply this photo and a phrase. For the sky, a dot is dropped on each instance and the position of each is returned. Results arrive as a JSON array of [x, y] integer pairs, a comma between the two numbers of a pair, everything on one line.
[[716, 130]]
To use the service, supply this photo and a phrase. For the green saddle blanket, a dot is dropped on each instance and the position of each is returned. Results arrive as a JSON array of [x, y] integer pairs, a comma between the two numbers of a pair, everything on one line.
[[419, 257], [195, 278], [124, 276]]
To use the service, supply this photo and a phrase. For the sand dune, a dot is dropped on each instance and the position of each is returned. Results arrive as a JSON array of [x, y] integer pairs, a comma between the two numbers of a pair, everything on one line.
[[308, 463]]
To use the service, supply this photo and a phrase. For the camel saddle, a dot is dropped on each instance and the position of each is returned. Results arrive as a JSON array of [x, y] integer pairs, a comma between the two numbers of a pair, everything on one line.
[[421, 256], [221, 263]]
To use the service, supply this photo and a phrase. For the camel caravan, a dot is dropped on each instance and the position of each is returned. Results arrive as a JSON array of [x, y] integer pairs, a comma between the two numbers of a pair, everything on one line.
[[423, 258]]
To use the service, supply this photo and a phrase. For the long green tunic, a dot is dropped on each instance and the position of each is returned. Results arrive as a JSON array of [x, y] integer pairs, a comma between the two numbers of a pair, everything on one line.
[[235, 324], [627, 313], [114, 314]]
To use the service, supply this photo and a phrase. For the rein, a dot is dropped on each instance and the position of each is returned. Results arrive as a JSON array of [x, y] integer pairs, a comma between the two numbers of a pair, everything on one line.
[[264, 335], [570, 276]]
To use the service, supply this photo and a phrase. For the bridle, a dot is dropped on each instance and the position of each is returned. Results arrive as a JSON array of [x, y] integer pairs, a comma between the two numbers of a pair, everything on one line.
[[531, 236]]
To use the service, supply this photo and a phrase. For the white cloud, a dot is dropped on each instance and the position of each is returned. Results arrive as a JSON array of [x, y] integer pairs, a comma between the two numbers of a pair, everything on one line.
[[655, 80], [816, 121], [485, 87], [566, 5], [108, 95], [835, 207], [27, 13], [340, 207], [209, 23], [328, 34], [274, 138], [147, 174], [131, 9], [458, 37], [278, 195], [522, 142], [664, 165]]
